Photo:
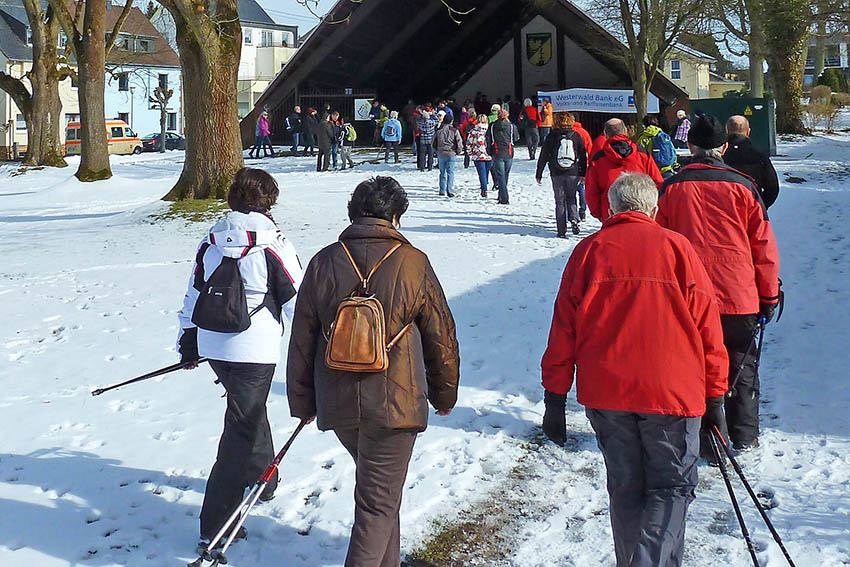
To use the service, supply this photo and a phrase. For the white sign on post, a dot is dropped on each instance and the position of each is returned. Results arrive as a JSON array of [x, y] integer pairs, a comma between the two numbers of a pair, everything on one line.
[[362, 107], [597, 100]]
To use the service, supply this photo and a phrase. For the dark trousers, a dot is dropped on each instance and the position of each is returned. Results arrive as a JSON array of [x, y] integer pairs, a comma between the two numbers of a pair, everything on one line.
[[245, 449], [296, 141], [501, 171], [425, 156], [334, 151], [381, 456], [651, 461], [390, 146], [582, 202], [324, 159], [565, 188], [532, 140], [742, 405]]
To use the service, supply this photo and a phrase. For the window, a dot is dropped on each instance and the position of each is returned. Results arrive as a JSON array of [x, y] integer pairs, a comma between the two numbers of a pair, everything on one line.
[[123, 81], [117, 132], [675, 69], [129, 133], [29, 35], [71, 118], [124, 42], [163, 81], [288, 39], [248, 36], [266, 38], [832, 56], [63, 39], [172, 121], [125, 116], [20, 122], [72, 134], [144, 45]]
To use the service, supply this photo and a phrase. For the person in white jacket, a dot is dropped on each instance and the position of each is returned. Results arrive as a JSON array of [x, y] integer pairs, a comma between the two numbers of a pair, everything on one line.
[[244, 362]]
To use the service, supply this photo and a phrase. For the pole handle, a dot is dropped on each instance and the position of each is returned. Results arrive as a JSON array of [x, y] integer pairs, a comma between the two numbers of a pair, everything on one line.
[[149, 375]]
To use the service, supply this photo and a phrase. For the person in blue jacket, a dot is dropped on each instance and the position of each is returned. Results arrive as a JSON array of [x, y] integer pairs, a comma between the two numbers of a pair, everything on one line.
[[392, 136]]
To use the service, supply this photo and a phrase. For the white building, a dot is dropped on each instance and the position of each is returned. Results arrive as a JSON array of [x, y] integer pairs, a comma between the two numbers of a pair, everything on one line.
[[836, 55], [266, 48]]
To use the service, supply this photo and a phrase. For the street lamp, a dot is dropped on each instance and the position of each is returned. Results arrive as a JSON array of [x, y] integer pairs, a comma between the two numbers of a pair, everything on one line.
[[132, 114]]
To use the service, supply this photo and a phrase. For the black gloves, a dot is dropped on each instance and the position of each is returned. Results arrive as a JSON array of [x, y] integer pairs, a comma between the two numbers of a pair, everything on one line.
[[714, 416], [189, 346], [555, 418], [766, 310]]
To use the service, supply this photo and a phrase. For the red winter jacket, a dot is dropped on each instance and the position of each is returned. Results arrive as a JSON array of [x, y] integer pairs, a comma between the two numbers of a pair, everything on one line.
[[719, 210], [585, 137], [597, 146], [637, 320], [619, 154]]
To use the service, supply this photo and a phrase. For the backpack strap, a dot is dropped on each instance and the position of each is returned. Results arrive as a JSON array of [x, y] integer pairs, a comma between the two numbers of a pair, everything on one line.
[[364, 282]]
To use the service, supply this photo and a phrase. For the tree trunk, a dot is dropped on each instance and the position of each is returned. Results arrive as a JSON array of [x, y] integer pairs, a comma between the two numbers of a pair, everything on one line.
[[820, 47], [640, 84], [163, 117], [94, 160], [756, 74], [44, 125], [213, 143], [786, 30]]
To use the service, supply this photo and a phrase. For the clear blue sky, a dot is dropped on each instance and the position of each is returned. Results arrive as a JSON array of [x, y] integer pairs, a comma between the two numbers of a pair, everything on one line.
[[290, 12]]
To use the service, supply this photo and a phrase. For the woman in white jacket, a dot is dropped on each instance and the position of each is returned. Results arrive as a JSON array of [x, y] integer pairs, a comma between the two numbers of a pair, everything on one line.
[[244, 361]]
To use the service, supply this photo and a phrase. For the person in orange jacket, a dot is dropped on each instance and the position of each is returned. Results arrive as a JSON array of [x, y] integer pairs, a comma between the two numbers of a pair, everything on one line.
[[647, 388], [618, 155], [547, 118]]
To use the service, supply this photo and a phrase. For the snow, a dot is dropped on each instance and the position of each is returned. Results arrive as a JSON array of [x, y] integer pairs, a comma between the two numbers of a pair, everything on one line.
[[91, 284]]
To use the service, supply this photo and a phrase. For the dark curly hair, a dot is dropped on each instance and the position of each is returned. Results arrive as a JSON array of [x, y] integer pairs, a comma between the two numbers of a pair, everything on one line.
[[378, 197], [252, 190]]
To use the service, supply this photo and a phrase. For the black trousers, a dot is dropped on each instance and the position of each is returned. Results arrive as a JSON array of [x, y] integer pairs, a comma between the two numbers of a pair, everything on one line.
[[390, 147], [651, 461], [324, 159], [245, 449], [565, 188], [742, 405]]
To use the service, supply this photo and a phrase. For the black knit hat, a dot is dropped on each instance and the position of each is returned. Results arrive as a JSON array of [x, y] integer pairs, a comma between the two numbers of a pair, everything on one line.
[[707, 132]]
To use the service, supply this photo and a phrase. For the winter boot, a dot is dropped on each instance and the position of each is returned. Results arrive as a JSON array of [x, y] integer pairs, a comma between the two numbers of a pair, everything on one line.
[[574, 224]]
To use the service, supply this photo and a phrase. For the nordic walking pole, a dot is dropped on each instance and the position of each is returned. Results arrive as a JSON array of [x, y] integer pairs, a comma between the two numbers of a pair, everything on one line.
[[725, 475], [240, 514], [752, 494], [147, 376]]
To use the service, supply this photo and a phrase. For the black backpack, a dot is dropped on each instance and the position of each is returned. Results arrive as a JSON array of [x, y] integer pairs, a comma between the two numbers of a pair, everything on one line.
[[221, 305]]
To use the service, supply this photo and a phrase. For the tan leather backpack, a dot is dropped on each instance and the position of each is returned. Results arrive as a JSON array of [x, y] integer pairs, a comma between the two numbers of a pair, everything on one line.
[[357, 341]]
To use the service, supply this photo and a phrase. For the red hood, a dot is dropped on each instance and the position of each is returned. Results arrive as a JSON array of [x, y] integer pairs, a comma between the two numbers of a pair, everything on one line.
[[619, 148]]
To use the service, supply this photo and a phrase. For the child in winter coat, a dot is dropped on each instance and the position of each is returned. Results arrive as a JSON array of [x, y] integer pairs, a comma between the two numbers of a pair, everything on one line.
[[476, 145]]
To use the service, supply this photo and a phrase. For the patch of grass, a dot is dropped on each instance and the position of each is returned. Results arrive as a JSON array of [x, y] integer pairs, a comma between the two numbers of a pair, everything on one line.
[[192, 210], [456, 544], [24, 169]]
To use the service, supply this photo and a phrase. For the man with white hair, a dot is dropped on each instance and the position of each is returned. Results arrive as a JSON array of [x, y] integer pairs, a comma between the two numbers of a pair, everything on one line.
[[721, 212], [680, 130], [643, 402]]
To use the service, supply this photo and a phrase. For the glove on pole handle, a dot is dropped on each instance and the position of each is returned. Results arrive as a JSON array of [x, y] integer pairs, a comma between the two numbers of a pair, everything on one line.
[[149, 375], [752, 494], [734, 500]]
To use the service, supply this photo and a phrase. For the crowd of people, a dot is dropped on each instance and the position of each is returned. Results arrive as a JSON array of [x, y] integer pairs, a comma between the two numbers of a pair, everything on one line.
[[688, 247]]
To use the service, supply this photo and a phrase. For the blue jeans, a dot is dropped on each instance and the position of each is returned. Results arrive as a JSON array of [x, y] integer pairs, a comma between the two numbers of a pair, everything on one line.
[[334, 149], [483, 167], [296, 141], [447, 174], [501, 172], [544, 131]]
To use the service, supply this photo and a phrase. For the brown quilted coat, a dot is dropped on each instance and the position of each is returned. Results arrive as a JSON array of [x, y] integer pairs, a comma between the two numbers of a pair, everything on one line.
[[423, 365]]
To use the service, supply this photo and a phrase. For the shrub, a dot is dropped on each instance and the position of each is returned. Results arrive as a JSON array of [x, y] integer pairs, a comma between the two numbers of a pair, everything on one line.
[[840, 99], [821, 94], [835, 79]]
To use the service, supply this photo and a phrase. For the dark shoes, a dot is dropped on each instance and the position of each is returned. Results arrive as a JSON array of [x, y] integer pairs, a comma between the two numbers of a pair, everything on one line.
[[204, 543], [744, 447], [484, 194], [574, 225], [450, 194], [582, 215]]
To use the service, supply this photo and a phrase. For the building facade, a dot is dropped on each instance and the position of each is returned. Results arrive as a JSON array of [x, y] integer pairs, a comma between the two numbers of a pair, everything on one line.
[[836, 55], [266, 48], [140, 61], [689, 69]]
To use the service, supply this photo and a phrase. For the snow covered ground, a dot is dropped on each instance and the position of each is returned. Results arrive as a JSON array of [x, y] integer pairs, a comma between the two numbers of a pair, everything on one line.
[[89, 289]]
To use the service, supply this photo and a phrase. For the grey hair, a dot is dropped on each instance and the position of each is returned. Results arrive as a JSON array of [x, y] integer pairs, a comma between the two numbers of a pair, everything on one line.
[[527, 102], [614, 127], [394, 114], [698, 152], [633, 192]]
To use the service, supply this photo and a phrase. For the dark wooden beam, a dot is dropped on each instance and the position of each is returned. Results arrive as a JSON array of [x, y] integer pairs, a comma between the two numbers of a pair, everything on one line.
[[387, 51], [518, 64], [560, 46]]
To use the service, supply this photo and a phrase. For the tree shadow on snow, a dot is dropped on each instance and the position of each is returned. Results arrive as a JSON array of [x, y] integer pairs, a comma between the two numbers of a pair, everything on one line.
[[90, 510]]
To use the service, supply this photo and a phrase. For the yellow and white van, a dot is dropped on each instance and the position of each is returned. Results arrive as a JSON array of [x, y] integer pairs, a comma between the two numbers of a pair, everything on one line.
[[122, 139]]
